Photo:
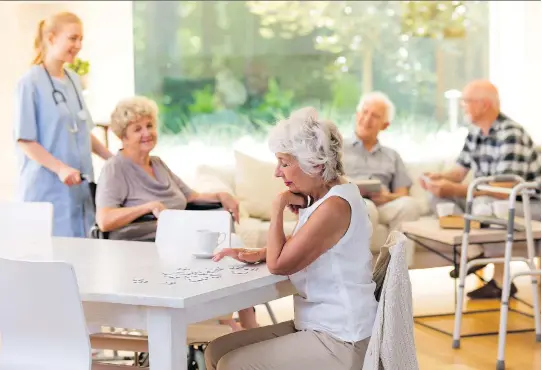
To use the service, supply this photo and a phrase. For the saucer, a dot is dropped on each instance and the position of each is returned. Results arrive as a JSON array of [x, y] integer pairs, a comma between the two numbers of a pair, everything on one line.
[[202, 255]]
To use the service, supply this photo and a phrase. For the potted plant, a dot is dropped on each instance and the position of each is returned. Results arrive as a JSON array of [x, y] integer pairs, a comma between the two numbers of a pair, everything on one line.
[[81, 67]]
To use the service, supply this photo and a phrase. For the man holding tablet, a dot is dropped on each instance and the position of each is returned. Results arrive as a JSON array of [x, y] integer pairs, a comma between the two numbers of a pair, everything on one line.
[[379, 171]]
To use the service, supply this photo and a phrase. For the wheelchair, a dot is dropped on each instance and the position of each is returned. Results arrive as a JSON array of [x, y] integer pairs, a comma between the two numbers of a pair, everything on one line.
[[96, 233]]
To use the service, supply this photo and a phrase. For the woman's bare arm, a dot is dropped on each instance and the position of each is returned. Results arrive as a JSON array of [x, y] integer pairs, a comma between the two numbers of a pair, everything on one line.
[[35, 151], [109, 218], [99, 149], [326, 226], [38, 153]]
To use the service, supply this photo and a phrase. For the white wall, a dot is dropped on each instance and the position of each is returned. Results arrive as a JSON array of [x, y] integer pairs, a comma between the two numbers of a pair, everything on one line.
[[107, 43], [516, 60], [10, 67]]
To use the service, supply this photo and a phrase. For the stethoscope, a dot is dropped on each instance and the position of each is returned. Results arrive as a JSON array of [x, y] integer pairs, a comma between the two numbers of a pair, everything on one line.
[[59, 97]]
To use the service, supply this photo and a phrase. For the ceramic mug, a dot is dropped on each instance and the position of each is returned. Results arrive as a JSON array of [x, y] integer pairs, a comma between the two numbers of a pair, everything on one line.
[[500, 209], [445, 209], [208, 240]]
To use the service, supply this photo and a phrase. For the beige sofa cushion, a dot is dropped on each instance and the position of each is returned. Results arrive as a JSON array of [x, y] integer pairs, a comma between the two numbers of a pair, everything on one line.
[[256, 186], [253, 232], [211, 179]]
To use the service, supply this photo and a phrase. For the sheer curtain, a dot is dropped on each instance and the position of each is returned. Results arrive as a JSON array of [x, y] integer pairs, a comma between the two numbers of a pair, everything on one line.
[[516, 60]]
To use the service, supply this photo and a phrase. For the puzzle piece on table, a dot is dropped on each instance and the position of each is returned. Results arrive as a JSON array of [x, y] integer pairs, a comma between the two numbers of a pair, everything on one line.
[[242, 269], [194, 276], [140, 281]]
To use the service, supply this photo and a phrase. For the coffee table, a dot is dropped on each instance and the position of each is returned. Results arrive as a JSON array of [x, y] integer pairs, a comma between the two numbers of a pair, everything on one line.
[[427, 231]]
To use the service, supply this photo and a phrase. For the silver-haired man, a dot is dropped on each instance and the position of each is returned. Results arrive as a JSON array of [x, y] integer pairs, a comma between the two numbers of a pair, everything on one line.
[[365, 158]]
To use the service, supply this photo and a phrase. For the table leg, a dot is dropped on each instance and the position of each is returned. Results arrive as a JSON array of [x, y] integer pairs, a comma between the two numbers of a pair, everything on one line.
[[167, 339]]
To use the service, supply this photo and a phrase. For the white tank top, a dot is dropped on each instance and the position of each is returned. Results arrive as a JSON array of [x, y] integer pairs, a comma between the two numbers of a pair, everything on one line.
[[336, 291]]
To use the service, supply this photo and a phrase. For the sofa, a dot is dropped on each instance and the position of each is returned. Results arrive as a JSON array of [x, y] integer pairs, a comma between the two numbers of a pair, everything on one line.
[[251, 179]]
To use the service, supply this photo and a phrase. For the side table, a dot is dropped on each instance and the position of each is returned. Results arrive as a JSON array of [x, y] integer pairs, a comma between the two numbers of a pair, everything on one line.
[[428, 231]]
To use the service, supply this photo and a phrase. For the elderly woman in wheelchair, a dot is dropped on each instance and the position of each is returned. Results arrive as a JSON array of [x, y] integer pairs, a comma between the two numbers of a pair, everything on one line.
[[134, 186], [134, 183]]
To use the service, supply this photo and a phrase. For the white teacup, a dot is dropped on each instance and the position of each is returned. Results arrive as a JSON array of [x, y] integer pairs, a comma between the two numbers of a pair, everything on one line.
[[445, 209], [208, 240], [500, 209], [482, 209]]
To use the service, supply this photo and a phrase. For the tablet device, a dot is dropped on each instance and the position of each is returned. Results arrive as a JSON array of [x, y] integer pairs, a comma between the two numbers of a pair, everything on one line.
[[369, 185]]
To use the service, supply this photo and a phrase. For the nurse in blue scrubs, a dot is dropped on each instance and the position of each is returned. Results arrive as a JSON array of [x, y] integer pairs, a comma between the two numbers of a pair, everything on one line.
[[53, 129]]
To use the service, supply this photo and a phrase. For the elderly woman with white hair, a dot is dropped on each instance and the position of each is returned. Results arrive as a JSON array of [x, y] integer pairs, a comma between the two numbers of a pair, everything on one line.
[[327, 259], [134, 183]]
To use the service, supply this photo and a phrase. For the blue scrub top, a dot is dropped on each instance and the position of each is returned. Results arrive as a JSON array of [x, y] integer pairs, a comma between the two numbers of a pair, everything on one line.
[[38, 118]]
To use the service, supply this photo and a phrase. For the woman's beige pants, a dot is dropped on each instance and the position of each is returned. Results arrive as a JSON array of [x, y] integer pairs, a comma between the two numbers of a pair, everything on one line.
[[282, 347]]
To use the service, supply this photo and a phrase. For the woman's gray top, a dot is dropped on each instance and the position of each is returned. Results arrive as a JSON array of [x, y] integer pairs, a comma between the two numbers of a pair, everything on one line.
[[123, 183]]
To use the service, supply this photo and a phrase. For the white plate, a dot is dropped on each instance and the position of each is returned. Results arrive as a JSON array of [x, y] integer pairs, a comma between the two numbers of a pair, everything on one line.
[[202, 255]]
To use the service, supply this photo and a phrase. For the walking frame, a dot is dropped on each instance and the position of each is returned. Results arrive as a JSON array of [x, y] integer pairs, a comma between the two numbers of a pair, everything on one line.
[[525, 189]]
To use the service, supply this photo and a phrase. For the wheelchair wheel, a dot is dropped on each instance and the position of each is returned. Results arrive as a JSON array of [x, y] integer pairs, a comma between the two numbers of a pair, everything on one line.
[[195, 359], [199, 359]]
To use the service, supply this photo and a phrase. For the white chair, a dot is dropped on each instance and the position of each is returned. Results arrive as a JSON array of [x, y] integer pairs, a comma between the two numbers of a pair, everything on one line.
[[41, 317], [523, 188], [177, 229], [22, 223]]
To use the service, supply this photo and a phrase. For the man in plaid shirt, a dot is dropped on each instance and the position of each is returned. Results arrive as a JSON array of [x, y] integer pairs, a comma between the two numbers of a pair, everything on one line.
[[496, 145]]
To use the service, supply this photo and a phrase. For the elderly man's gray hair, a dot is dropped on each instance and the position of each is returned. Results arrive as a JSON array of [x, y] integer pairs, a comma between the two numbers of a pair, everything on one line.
[[381, 97], [312, 141]]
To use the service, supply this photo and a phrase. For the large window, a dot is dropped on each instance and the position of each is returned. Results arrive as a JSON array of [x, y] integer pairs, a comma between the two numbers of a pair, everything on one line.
[[223, 69]]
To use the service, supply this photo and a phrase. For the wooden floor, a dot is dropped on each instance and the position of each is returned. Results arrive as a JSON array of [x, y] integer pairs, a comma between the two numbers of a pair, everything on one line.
[[433, 292]]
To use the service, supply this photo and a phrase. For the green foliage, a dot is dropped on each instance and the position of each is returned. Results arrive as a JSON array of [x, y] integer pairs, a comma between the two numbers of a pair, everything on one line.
[[346, 92], [288, 54], [434, 19], [276, 104], [204, 101], [80, 66]]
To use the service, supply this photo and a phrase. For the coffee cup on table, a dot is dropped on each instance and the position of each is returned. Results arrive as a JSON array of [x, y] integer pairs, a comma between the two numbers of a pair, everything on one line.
[[445, 209], [500, 209], [208, 240]]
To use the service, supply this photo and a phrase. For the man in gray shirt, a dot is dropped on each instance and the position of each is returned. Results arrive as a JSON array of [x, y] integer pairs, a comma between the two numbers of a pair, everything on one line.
[[365, 158]]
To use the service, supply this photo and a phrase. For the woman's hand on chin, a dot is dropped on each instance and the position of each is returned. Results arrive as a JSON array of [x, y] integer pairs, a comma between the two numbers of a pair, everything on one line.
[[291, 200]]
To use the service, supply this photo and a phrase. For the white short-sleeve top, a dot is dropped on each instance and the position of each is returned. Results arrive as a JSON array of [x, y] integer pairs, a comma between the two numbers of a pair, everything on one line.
[[336, 291]]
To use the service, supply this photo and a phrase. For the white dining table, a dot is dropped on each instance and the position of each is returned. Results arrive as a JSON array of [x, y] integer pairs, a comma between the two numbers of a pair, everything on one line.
[[106, 271]]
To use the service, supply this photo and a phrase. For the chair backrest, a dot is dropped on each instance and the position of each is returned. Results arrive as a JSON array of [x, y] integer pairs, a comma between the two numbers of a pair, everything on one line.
[[177, 230], [25, 228], [42, 322], [383, 260], [392, 344]]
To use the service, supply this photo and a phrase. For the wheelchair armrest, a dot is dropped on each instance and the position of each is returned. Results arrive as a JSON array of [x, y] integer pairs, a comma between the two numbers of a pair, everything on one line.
[[192, 206], [203, 206], [145, 218]]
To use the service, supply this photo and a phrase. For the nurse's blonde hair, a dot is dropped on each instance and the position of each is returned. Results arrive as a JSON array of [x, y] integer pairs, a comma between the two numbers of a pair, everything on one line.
[[48, 25], [132, 110]]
